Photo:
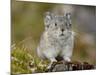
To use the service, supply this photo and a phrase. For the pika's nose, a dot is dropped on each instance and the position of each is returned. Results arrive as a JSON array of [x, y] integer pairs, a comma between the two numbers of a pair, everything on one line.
[[62, 30]]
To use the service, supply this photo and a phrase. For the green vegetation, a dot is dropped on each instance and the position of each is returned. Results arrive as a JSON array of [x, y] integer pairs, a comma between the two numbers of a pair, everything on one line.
[[23, 62]]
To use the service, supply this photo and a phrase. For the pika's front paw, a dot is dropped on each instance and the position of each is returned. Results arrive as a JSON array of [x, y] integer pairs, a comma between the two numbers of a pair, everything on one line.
[[67, 59]]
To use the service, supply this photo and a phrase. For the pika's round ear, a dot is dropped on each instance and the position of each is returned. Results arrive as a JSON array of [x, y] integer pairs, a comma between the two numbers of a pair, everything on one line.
[[48, 15], [47, 19], [68, 16]]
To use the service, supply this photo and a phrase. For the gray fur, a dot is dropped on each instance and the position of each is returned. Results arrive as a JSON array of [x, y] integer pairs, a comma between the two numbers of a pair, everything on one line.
[[57, 38]]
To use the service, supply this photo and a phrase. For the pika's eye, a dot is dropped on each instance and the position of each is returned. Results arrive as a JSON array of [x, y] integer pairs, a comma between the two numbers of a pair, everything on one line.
[[69, 25], [47, 26], [55, 24]]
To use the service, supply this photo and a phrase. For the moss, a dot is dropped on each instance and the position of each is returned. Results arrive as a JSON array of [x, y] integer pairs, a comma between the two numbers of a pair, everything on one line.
[[21, 59]]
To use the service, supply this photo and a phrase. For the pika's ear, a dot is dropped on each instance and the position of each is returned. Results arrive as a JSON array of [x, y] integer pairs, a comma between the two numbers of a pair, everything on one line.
[[68, 16], [48, 17]]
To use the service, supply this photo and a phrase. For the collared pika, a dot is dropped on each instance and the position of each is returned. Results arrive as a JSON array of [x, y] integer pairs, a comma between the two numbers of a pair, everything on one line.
[[57, 38]]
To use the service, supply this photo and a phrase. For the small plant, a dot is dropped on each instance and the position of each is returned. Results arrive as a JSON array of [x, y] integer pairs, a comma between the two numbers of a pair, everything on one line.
[[22, 62]]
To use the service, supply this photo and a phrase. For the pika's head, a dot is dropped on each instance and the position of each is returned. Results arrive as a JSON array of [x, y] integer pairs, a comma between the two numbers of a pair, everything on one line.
[[58, 26]]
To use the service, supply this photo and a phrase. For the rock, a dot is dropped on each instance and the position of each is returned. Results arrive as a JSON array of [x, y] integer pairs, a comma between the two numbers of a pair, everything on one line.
[[70, 66]]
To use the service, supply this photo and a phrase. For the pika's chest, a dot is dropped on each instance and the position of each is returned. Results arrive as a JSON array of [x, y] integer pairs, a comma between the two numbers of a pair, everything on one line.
[[58, 44]]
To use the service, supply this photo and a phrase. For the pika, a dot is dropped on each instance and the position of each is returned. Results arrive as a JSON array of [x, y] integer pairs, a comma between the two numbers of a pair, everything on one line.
[[57, 38]]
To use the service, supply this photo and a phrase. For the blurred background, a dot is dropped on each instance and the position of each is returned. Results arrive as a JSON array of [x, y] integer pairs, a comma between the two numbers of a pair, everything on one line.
[[27, 25]]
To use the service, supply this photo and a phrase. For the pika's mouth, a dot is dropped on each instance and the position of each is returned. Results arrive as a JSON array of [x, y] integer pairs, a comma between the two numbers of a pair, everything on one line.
[[62, 34]]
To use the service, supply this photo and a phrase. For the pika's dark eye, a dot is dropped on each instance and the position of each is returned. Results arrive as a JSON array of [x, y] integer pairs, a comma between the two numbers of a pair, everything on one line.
[[70, 25], [55, 24], [48, 26]]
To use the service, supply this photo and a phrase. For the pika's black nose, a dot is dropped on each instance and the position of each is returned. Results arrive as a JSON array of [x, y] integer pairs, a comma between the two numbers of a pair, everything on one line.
[[62, 30]]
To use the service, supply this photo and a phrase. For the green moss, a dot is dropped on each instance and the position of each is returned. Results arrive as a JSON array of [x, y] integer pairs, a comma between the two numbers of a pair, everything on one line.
[[20, 62]]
